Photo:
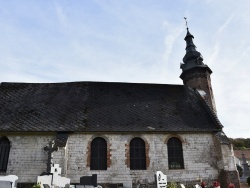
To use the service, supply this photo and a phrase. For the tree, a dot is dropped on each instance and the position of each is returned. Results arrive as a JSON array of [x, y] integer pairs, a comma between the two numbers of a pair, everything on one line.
[[240, 143]]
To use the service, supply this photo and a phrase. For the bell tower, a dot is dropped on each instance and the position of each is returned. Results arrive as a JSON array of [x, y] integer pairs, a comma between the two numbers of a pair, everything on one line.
[[195, 74]]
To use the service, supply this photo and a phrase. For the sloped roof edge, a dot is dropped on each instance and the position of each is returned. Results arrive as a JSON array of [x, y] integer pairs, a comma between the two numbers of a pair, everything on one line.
[[209, 110]]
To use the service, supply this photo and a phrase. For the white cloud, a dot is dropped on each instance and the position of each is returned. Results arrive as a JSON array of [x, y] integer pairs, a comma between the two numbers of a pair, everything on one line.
[[61, 15], [226, 23]]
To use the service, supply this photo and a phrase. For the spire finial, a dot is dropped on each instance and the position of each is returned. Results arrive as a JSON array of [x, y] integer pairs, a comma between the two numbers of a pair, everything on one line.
[[186, 22]]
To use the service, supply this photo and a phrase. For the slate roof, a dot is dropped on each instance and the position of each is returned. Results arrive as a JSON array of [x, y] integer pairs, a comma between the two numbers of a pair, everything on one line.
[[102, 106]]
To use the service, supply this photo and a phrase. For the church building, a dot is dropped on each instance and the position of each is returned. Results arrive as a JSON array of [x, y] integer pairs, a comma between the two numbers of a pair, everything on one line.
[[123, 132]]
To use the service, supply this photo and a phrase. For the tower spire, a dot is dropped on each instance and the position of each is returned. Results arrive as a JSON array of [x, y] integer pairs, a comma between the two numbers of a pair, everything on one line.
[[195, 73], [191, 52]]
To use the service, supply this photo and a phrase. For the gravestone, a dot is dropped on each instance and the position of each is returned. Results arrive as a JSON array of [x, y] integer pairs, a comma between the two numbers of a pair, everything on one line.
[[45, 180], [182, 186], [46, 186], [161, 180], [246, 171], [50, 149], [54, 179], [84, 186], [10, 178], [197, 186], [5, 184], [80, 186], [57, 179], [89, 180]]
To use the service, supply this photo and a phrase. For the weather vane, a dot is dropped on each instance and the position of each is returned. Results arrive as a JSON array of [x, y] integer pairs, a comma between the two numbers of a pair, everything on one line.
[[186, 22]]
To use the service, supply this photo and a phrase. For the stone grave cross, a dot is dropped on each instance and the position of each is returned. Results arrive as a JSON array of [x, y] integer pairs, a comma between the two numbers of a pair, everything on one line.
[[246, 171], [50, 149], [56, 171]]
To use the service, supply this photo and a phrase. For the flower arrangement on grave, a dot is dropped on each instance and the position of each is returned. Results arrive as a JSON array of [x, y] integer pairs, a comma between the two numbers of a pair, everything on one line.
[[216, 184], [231, 185], [172, 185], [38, 185], [203, 184]]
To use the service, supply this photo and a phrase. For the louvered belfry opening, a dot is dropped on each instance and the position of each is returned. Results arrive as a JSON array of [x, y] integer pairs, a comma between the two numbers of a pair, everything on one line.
[[175, 154], [98, 154], [4, 153], [137, 154]]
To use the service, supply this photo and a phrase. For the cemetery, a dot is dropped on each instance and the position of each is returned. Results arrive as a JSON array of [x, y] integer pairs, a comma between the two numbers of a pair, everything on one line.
[[54, 180]]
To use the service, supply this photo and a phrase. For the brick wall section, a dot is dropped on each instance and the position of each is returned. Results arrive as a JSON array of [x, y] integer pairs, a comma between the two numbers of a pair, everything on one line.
[[201, 80], [127, 155], [147, 147], [109, 155], [88, 154]]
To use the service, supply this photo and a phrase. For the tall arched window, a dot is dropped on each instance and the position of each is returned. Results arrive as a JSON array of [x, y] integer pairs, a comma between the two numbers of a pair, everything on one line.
[[137, 154], [4, 153], [98, 154], [175, 154]]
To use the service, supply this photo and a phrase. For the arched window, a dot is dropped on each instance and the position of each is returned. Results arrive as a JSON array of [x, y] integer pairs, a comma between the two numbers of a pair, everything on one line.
[[4, 153], [175, 154], [98, 154], [137, 154]]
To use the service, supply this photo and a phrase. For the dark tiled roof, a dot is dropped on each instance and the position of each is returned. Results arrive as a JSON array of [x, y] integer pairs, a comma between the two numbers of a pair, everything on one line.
[[102, 106]]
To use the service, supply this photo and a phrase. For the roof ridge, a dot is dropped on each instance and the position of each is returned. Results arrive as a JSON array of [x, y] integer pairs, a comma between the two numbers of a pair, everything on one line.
[[78, 82]]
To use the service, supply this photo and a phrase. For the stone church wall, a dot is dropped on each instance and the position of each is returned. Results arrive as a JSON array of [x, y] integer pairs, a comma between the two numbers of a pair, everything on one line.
[[28, 159], [198, 149]]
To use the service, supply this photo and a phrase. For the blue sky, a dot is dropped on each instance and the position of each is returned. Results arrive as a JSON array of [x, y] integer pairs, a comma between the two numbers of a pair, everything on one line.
[[130, 41]]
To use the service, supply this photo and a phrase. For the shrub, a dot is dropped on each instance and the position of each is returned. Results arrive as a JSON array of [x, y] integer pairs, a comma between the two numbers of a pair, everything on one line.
[[38, 185], [172, 185]]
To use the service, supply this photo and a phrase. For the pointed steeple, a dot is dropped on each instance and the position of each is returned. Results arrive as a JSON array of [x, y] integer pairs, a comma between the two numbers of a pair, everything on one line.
[[189, 42], [195, 74], [192, 57]]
